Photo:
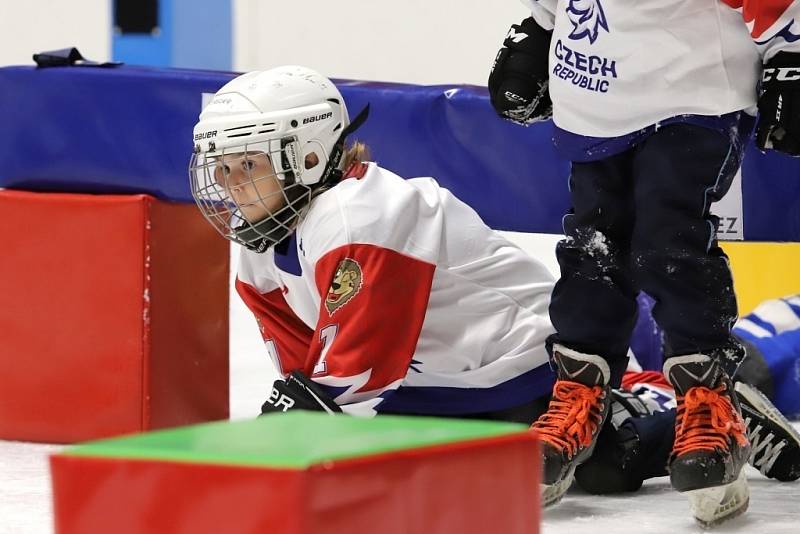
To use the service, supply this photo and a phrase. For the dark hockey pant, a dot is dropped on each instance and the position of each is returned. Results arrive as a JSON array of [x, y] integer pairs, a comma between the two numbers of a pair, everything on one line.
[[640, 221]]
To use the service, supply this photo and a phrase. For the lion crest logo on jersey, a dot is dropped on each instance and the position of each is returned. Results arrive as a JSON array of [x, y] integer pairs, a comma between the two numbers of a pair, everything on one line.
[[346, 284], [587, 18]]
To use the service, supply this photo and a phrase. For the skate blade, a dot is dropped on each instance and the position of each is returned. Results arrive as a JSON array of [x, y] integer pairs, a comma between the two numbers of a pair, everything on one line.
[[712, 506], [553, 493]]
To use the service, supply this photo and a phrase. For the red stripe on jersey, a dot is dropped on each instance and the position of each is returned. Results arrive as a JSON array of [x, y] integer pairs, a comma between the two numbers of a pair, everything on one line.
[[654, 378], [764, 13], [356, 170], [377, 299], [278, 324]]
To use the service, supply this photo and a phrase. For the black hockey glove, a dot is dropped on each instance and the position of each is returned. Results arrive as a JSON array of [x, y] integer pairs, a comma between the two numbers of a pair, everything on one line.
[[779, 105], [298, 393], [519, 78]]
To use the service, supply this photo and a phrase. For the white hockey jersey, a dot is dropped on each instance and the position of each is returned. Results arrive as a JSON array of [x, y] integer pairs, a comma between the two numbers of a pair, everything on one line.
[[395, 297], [617, 66]]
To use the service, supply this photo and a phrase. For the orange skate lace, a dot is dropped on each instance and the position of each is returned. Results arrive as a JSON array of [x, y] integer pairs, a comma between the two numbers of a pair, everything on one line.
[[705, 419], [572, 416]]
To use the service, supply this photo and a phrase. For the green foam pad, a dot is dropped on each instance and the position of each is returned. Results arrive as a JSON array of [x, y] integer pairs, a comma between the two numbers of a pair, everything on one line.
[[293, 440]]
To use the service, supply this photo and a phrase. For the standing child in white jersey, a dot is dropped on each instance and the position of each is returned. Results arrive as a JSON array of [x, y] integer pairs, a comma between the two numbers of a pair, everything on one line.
[[379, 294], [653, 102]]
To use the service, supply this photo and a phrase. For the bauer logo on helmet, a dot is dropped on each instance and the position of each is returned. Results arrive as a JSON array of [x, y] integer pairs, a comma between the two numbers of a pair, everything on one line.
[[322, 117]]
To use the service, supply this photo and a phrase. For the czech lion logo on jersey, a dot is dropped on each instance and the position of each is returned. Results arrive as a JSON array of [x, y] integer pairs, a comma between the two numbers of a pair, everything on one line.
[[346, 284], [587, 18]]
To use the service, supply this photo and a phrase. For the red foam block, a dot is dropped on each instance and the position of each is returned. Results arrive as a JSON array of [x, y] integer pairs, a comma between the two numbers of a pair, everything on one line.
[[475, 487], [113, 316]]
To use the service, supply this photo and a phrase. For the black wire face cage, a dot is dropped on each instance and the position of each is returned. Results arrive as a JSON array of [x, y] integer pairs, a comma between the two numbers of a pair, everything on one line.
[[251, 193]]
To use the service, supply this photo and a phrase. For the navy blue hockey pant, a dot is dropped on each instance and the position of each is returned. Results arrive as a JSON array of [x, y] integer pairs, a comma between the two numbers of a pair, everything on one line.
[[640, 221]]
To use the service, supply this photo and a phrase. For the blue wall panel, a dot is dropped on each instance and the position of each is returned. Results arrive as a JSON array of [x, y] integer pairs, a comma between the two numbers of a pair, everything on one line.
[[146, 49], [202, 34], [129, 130], [192, 34]]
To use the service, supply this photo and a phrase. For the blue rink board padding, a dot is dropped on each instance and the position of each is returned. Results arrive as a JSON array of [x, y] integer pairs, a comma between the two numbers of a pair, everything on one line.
[[129, 130]]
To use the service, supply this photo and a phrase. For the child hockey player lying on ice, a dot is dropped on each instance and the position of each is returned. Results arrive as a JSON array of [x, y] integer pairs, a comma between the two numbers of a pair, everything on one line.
[[374, 294]]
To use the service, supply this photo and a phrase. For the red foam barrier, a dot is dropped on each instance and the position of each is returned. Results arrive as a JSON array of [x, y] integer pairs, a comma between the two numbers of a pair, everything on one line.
[[113, 316], [477, 487]]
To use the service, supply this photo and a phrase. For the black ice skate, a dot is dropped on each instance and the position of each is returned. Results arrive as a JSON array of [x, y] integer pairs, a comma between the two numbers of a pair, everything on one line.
[[774, 443], [711, 445], [574, 417]]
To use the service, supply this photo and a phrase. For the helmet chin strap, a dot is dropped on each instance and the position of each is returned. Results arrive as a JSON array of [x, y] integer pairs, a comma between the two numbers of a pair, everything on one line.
[[259, 236], [332, 171]]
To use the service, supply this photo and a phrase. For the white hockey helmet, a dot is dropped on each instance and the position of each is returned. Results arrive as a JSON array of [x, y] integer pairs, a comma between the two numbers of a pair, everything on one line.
[[262, 146]]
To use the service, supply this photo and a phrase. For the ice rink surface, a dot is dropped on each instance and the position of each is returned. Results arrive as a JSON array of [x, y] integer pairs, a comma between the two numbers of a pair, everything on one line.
[[26, 507]]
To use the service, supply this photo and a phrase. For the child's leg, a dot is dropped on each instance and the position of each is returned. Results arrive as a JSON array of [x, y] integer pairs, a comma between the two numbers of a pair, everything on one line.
[[593, 309], [627, 456], [679, 171], [593, 306]]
